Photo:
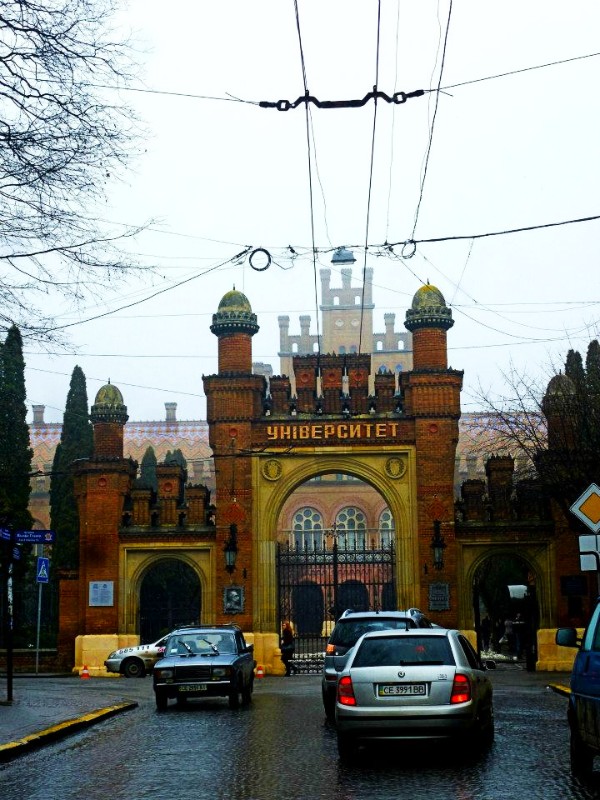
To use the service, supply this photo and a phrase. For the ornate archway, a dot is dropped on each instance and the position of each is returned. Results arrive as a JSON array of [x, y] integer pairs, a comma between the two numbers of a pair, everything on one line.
[[276, 475]]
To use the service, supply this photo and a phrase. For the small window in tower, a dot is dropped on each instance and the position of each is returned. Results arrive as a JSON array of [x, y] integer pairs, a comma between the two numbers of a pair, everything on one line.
[[315, 347], [295, 347], [357, 300], [336, 300], [380, 345], [400, 344]]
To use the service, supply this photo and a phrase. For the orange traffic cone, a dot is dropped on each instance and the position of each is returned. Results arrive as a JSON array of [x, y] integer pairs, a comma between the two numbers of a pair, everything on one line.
[[260, 672], [85, 673]]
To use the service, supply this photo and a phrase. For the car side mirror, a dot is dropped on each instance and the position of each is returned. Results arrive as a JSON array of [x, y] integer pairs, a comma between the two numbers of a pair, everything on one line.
[[567, 637]]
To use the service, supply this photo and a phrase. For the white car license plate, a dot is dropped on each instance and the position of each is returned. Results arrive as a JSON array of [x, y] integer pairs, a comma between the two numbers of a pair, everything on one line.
[[192, 687], [394, 689]]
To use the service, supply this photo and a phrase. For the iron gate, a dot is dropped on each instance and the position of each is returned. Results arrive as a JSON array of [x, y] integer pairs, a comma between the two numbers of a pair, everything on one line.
[[316, 586]]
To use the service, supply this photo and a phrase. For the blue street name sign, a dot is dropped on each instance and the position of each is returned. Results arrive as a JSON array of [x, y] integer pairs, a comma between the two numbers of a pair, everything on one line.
[[5, 534], [35, 537], [43, 570]]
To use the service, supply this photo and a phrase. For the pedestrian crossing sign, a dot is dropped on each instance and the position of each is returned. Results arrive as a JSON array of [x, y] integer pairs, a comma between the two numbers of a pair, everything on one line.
[[43, 570]]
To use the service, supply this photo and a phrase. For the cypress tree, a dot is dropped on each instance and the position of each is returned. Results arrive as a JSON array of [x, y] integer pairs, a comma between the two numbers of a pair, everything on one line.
[[76, 441], [148, 469], [15, 452]]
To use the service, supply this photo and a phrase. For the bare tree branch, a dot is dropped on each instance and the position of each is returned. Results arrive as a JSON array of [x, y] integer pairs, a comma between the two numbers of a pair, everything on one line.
[[62, 143]]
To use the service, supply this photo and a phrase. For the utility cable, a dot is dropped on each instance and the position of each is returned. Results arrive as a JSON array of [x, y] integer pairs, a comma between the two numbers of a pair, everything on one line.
[[145, 299], [310, 186], [366, 244], [412, 243], [435, 110]]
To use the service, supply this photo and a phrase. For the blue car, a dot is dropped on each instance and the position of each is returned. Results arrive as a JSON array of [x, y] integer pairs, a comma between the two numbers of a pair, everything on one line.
[[584, 700]]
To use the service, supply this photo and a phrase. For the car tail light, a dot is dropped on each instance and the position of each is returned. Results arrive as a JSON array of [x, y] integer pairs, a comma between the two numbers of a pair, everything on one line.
[[346, 692], [461, 689], [330, 649]]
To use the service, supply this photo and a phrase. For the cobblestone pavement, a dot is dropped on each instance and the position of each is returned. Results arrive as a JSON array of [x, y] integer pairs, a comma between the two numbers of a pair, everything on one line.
[[279, 746], [42, 702]]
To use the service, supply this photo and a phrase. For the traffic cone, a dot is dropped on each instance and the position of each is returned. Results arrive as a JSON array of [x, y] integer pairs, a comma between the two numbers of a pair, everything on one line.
[[84, 674], [260, 672]]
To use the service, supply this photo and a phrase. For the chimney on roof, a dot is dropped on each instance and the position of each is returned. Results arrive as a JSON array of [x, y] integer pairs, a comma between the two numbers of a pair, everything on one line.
[[38, 414], [171, 409]]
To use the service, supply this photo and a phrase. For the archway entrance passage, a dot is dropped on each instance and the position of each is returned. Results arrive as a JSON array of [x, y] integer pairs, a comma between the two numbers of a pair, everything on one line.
[[505, 608], [170, 596], [336, 551], [389, 471], [315, 587]]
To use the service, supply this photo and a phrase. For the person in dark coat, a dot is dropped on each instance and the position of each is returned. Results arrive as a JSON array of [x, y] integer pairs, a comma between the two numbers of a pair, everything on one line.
[[486, 633], [287, 647]]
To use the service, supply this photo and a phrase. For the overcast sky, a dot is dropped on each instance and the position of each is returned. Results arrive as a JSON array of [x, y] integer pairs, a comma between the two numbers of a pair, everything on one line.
[[219, 176]]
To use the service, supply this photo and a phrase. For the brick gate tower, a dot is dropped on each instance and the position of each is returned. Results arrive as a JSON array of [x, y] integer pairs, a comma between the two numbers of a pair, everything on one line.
[[432, 398], [234, 400]]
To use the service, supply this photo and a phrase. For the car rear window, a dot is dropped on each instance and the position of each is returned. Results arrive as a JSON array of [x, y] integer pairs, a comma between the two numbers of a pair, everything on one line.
[[347, 633], [403, 651]]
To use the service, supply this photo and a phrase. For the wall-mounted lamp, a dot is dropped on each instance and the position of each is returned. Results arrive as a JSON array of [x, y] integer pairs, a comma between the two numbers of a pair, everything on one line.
[[231, 549], [438, 545]]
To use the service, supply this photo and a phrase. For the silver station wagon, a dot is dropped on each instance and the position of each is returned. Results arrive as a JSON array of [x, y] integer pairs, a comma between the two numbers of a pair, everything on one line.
[[415, 684]]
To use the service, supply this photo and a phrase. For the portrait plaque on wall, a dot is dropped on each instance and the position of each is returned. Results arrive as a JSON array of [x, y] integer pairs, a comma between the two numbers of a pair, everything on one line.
[[233, 599]]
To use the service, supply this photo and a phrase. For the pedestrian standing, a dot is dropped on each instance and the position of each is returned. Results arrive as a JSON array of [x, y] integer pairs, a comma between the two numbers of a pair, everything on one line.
[[509, 636], [519, 635], [287, 647], [486, 633]]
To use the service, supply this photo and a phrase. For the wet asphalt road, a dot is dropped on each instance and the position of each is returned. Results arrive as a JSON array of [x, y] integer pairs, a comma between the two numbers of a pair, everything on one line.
[[281, 747]]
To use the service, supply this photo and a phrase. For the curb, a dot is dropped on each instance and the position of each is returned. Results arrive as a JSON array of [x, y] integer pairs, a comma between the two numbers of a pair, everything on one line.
[[12, 750], [559, 688]]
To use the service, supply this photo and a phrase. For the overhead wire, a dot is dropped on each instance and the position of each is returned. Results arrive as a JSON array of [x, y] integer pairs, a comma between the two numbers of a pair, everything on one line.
[[145, 299], [310, 183], [370, 186], [432, 126], [393, 127]]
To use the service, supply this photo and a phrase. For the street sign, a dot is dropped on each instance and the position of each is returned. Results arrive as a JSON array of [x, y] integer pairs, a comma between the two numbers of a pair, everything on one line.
[[43, 570], [35, 537], [588, 553], [5, 534], [587, 508]]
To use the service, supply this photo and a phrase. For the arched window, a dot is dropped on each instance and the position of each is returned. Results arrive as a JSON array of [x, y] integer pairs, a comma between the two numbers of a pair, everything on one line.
[[382, 369], [307, 532], [357, 300], [387, 530], [342, 349], [379, 344], [336, 301], [351, 526]]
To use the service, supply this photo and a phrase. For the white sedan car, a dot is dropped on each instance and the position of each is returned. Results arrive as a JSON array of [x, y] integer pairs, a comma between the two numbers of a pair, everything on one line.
[[416, 684], [135, 662]]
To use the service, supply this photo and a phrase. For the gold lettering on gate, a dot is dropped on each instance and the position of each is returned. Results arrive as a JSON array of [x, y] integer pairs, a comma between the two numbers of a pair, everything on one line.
[[333, 430]]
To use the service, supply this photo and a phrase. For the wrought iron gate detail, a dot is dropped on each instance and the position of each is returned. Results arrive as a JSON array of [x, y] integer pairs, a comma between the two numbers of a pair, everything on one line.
[[316, 586]]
